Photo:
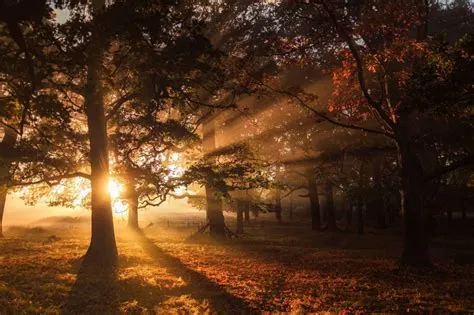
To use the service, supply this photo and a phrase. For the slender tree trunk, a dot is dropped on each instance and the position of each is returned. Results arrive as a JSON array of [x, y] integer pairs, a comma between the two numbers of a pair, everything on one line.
[[3, 199], [7, 145], [214, 213], [240, 217], [278, 208], [360, 216], [133, 215], [314, 204], [103, 248], [360, 200], [377, 202], [415, 245], [349, 209], [329, 206], [132, 207], [247, 211]]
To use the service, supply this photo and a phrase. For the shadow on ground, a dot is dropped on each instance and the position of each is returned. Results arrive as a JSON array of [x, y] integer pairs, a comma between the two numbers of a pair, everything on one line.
[[198, 286], [94, 292], [99, 290]]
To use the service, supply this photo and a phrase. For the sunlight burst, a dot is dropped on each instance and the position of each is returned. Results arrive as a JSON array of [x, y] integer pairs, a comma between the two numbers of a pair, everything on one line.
[[119, 206]]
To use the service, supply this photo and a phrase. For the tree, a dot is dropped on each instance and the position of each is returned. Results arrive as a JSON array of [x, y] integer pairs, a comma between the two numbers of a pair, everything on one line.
[[102, 249], [90, 60], [388, 75]]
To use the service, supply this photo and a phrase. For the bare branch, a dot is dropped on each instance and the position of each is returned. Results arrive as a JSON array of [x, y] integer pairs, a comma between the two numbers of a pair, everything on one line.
[[327, 118]]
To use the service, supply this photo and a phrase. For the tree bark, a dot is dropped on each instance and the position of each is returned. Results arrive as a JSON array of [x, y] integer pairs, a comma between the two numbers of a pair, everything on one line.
[[314, 204], [132, 200], [3, 199], [240, 217], [7, 144], [349, 210], [102, 249], [214, 213], [247, 211], [329, 207], [415, 244], [360, 200], [377, 202], [360, 216]]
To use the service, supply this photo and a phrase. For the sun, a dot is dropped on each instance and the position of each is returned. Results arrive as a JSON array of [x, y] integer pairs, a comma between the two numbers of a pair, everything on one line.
[[119, 207], [115, 188]]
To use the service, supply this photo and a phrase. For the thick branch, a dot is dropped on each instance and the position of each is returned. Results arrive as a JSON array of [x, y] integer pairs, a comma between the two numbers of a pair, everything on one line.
[[293, 190], [4, 124], [51, 180], [118, 103]]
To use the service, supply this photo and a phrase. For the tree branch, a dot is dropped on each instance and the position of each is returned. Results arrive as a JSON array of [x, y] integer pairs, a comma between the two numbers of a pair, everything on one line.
[[118, 103], [469, 160], [327, 118], [51, 180], [377, 105]]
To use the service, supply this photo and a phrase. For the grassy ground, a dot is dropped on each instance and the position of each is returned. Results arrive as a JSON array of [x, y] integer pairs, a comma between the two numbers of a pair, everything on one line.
[[278, 268]]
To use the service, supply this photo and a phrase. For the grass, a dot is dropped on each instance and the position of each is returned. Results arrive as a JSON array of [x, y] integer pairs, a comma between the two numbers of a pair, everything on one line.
[[275, 269]]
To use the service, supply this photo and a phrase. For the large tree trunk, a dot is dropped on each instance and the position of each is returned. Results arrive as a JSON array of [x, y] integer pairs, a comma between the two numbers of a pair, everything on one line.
[[415, 245], [314, 204], [7, 145], [329, 207], [214, 213], [102, 249]]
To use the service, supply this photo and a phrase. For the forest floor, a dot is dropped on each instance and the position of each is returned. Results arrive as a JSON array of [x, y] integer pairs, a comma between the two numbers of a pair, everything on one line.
[[274, 269]]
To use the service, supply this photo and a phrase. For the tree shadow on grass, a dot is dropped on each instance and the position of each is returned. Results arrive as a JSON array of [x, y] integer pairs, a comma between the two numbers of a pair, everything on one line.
[[198, 286], [94, 292], [100, 290]]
